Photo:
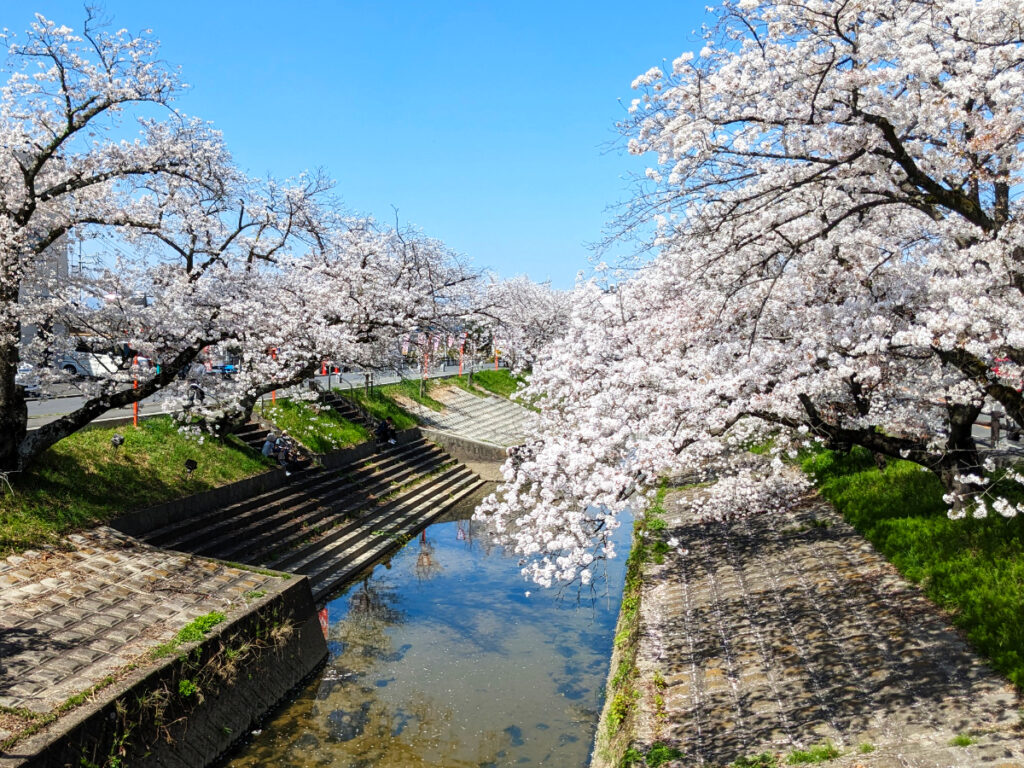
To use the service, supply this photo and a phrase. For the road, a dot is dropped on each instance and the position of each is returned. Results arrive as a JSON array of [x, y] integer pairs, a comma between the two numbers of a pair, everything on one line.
[[42, 411]]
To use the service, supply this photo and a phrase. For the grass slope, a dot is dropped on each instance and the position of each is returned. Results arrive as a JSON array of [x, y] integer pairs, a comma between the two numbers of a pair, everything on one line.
[[82, 481], [972, 568], [501, 382], [321, 432], [381, 406]]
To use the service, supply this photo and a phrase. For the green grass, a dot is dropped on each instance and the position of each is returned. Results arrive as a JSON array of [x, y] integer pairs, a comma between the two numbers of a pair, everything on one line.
[[962, 740], [410, 388], [972, 568], [381, 406], [819, 753], [763, 760], [82, 482], [199, 627], [622, 690], [501, 382], [320, 432]]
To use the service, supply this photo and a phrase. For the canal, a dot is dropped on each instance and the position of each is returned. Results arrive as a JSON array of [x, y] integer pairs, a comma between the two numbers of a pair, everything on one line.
[[445, 656]]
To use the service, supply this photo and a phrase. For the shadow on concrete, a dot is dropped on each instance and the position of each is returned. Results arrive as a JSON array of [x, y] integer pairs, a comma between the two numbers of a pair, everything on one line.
[[792, 631]]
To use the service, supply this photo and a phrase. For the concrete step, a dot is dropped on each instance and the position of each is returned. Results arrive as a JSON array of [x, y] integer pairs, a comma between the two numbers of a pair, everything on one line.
[[252, 434], [346, 409], [383, 523], [288, 528], [336, 575], [305, 482], [214, 537], [377, 529], [342, 537]]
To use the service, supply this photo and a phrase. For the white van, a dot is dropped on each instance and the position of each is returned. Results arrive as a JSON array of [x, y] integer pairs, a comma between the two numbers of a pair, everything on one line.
[[88, 364]]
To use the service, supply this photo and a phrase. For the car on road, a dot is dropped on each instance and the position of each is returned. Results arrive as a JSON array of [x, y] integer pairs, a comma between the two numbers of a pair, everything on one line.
[[27, 379], [88, 364]]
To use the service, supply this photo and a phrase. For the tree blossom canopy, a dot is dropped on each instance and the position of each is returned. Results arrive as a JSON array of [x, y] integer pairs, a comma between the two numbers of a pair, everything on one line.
[[838, 257]]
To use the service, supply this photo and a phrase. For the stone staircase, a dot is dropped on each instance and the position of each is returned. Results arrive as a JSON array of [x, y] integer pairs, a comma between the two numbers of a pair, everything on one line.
[[253, 434], [488, 419], [330, 525], [345, 408]]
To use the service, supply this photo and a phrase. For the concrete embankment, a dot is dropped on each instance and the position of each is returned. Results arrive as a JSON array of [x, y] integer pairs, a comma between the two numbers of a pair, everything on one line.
[[763, 637], [189, 708], [92, 670]]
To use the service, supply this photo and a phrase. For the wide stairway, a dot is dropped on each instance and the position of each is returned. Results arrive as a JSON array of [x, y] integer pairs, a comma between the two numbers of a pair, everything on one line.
[[330, 525]]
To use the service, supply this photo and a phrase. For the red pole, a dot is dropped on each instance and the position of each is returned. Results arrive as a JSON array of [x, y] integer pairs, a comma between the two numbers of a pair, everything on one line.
[[323, 367], [462, 348], [495, 359], [135, 385], [273, 394]]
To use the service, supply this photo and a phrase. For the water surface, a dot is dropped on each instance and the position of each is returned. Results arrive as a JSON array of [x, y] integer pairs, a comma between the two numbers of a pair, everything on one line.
[[446, 657]]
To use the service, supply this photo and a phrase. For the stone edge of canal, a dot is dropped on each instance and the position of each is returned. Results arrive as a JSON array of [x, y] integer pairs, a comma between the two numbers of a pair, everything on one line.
[[195, 705]]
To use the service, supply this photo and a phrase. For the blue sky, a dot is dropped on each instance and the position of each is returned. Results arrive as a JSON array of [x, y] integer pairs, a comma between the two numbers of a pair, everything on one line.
[[489, 125]]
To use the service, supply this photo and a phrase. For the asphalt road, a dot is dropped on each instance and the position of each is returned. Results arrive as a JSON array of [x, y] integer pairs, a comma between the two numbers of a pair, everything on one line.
[[44, 410]]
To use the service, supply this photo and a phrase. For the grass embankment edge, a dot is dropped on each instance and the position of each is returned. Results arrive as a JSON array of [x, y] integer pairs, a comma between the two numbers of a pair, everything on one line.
[[84, 481], [614, 744]]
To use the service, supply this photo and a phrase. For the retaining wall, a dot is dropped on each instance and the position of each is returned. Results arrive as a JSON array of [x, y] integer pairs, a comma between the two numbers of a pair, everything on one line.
[[465, 449], [188, 710]]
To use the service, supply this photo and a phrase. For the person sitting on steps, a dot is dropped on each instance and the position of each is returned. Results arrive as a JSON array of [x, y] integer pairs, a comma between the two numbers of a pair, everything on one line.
[[385, 432]]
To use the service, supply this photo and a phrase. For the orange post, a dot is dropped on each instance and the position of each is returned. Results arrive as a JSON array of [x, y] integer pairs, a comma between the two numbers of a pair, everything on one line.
[[135, 385], [495, 359], [273, 394]]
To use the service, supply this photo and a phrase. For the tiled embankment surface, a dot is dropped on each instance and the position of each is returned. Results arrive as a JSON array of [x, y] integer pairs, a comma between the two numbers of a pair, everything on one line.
[[787, 631], [489, 419], [70, 619]]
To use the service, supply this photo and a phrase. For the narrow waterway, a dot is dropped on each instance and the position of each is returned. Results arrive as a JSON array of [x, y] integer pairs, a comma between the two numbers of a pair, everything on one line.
[[446, 657]]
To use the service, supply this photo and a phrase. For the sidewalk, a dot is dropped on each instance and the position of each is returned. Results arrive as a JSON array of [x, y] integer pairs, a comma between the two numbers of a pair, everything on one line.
[[783, 632]]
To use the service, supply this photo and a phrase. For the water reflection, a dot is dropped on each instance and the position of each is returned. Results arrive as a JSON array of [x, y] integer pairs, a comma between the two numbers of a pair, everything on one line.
[[440, 659]]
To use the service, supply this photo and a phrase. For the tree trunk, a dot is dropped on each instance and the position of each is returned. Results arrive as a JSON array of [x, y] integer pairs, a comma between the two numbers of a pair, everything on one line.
[[13, 409], [245, 404], [961, 457]]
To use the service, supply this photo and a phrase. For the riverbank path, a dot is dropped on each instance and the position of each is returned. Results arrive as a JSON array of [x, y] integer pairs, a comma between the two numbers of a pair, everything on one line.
[[778, 633]]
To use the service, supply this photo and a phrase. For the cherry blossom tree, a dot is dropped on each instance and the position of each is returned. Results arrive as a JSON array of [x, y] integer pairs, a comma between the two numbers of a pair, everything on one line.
[[524, 316], [67, 163], [838, 257], [347, 298]]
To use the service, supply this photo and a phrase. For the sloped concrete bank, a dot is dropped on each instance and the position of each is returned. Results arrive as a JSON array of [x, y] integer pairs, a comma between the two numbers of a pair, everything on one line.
[[778, 638], [192, 707]]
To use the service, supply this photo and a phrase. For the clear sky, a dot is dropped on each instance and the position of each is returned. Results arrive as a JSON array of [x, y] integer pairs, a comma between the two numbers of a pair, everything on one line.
[[490, 125]]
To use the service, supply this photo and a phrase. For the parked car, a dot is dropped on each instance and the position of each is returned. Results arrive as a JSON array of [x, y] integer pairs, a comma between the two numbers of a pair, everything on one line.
[[90, 364], [27, 379]]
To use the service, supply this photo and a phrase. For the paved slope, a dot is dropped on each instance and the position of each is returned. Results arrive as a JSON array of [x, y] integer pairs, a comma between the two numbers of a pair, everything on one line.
[[488, 419], [781, 632]]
